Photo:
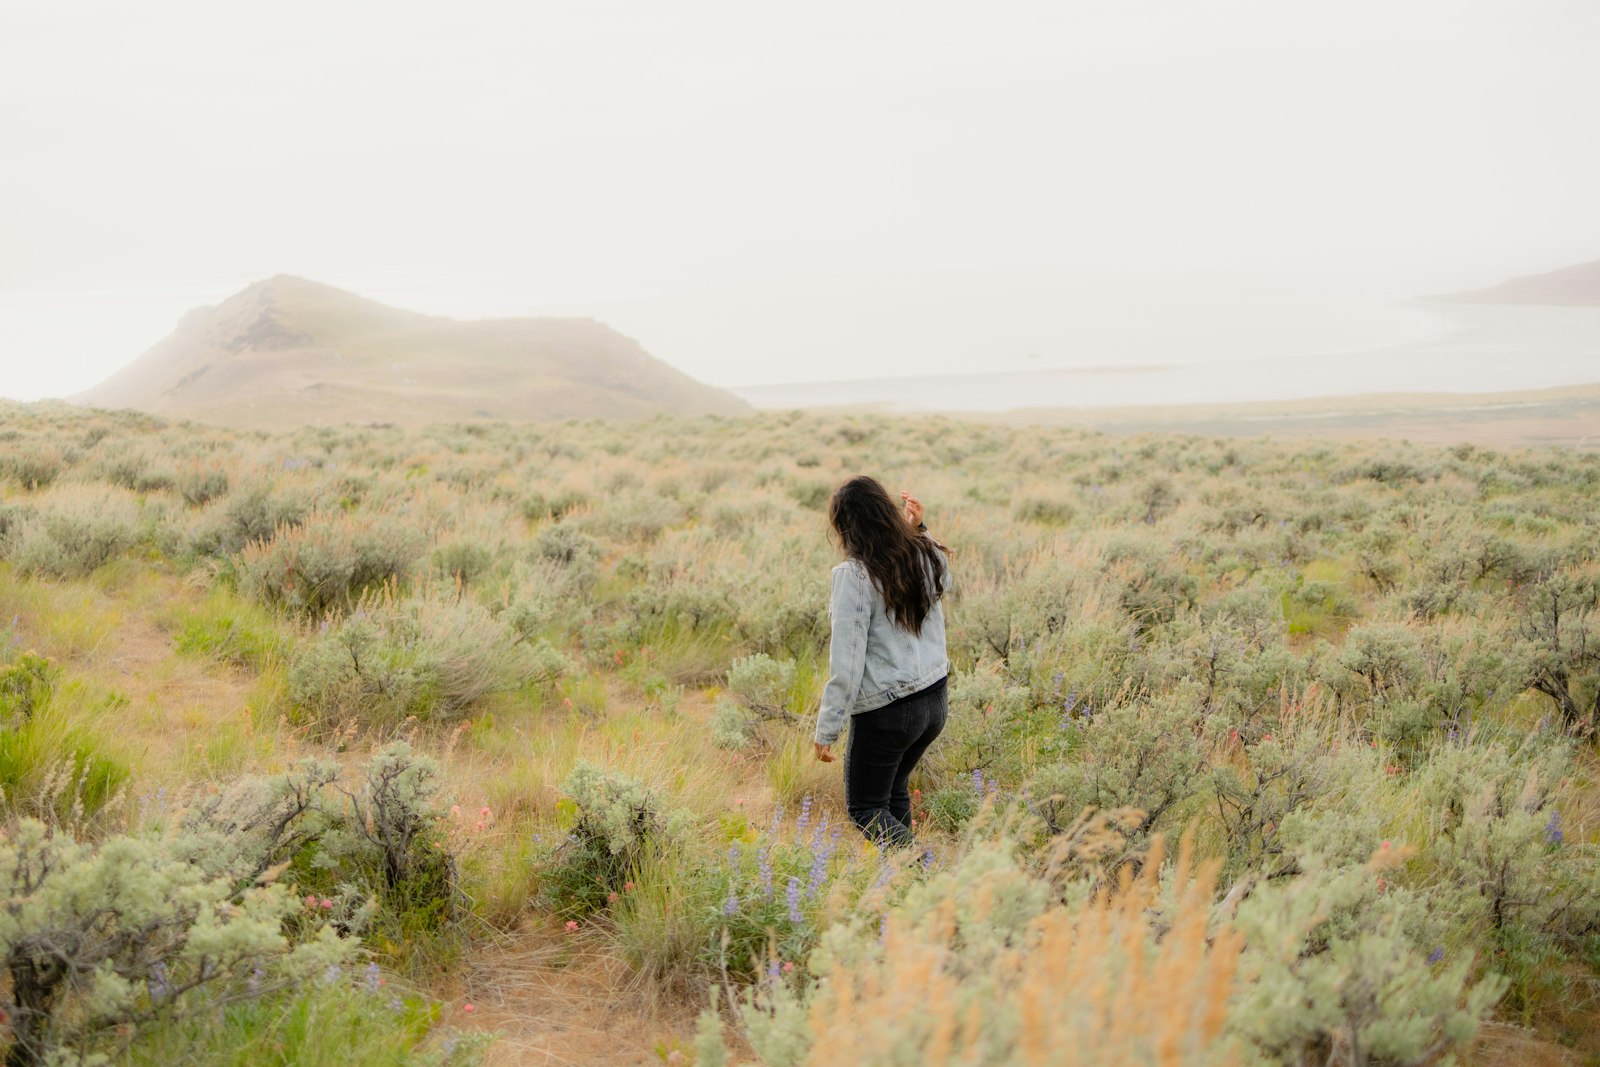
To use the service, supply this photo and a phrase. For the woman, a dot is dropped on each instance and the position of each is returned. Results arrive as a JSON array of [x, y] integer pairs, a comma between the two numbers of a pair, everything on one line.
[[886, 661]]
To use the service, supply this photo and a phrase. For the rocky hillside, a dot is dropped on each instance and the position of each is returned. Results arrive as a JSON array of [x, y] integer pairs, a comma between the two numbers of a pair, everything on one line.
[[289, 352]]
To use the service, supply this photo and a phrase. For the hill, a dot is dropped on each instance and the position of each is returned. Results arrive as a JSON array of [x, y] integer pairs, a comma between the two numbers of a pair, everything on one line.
[[289, 352], [1577, 286]]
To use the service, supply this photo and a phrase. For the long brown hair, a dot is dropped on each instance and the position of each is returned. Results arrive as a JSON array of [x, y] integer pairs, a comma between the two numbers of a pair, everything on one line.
[[900, 562]]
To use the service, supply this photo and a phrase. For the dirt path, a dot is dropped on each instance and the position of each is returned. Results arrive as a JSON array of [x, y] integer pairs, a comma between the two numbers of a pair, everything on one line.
[[560, 998]]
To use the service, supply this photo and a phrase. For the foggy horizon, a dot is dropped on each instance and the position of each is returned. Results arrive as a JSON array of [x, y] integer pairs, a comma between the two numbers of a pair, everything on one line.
[[764, 196]]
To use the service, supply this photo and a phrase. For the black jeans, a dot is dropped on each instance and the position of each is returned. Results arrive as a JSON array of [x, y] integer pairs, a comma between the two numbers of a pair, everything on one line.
[[885, 745]]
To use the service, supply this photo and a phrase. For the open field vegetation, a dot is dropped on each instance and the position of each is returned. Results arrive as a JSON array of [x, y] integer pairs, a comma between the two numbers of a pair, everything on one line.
[[492, 742]]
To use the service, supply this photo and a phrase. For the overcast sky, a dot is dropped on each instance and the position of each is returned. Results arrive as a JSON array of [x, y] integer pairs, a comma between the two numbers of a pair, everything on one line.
[[763, 191]]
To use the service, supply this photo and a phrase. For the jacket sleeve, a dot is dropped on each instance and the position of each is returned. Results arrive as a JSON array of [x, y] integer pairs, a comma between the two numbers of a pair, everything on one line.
[[850, 607]]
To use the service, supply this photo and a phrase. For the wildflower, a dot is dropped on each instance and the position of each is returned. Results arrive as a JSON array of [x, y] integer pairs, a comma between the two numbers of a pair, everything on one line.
[[818, 872], [484, 813], [455, 811], [733, 854], [977, 780], [371, 978], [572, 926], [731, 905], [332, 974], [1552, 829], [777, 819], [788, 966], [805, 815], [1436, 955], [311, 900], [611, 897], [792, 897], [1384, 844], [764, 866], [253, 985], [773, 972], [468, 1008], [627, 887], [326, 904]]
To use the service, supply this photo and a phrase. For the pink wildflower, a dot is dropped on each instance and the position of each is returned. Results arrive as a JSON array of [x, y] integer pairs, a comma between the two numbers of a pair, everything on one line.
[[572, 926], [468, 1008]]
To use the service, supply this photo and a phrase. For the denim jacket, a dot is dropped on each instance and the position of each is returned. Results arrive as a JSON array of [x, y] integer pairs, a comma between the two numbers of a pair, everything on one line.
[[871, 661]]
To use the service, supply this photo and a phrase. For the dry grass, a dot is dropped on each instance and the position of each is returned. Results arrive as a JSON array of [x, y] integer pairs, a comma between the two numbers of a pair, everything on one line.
[[1112, 982]]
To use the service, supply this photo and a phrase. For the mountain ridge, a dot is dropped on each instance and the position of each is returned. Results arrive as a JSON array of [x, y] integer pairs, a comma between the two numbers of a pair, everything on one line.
[[1574, 286], [288, 351]]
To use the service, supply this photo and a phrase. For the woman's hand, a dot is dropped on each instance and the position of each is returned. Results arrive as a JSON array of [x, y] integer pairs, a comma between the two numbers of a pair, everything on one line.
[[824, 752], [913, 508]]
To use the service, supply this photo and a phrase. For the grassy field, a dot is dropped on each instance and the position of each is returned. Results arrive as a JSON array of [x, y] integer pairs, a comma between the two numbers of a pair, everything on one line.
[[491, 743]]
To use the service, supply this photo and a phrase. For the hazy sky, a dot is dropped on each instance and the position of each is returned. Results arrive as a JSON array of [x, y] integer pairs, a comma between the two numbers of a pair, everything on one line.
[[764, 191]]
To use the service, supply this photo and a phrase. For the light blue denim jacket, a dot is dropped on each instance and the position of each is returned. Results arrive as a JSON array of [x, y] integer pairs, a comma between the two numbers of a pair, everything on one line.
[[871, 661]]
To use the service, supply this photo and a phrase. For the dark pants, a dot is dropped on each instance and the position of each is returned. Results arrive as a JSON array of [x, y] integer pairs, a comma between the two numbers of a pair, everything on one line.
[[885, 745]]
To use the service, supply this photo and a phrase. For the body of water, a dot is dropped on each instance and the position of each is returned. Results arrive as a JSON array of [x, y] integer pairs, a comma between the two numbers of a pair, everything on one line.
[[1453, 348]]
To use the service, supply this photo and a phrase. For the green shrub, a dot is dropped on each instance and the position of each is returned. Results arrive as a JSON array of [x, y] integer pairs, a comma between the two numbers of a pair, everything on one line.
[[616, 820], [327, 562], [98, 939], [198, 483], [73, 536], [387, 838], [429, 656], [762, 688]]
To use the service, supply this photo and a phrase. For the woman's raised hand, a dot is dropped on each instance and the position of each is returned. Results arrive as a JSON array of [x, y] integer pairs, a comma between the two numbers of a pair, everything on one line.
[[913, 508]]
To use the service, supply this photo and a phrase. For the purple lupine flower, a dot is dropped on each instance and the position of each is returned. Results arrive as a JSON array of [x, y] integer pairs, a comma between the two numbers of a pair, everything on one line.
[[883, 927], [731, 905], [252, 984], [817, 834], [805, 815], [371, 978], [1055, 683], [927, 858], [1552, 829], [332, 974], [774, 971], [818, 873], [777, 820], [792, 898], [1436, 955], [158, 981], [977, 780], [397, 1005], [733, 854], [764, 865], [883, 876]]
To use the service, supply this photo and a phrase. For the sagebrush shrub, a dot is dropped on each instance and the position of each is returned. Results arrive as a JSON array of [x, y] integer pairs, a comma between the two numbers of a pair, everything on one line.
[[327, 561], [616, 820], [98, 939], [73, 534]]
